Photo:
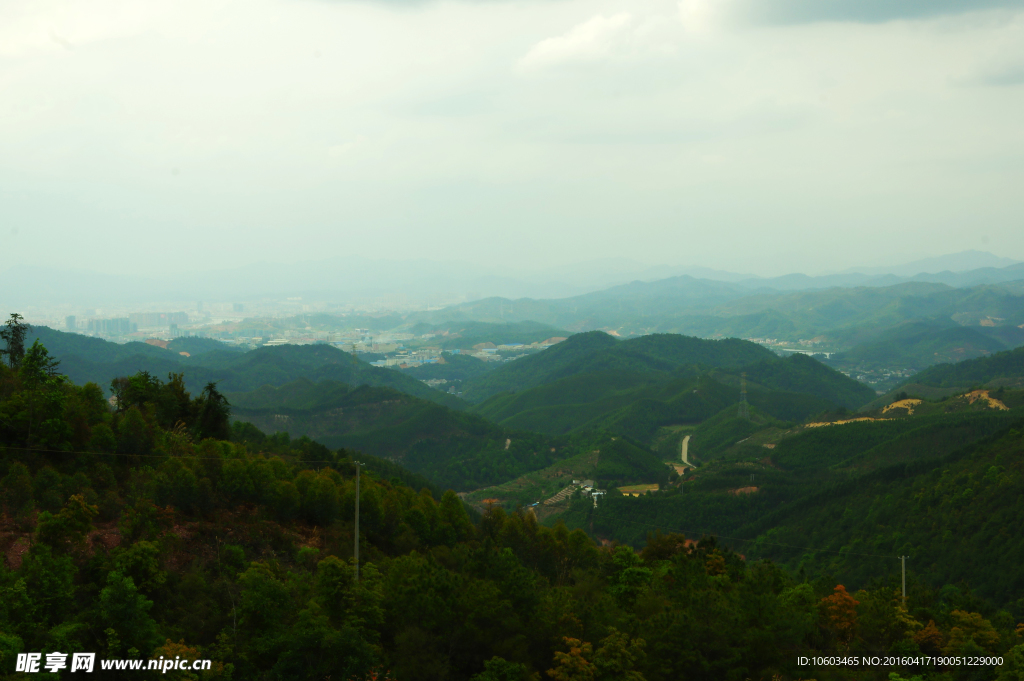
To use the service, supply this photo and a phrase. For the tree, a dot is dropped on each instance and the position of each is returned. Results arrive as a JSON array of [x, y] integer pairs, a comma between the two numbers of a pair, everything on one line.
[[36, 412], [69, 528], [930, 639], [124, 610], [17, 490], [13, 333], [840, 614], [970, 626], [500, 669], [573, 665], [212, 414], [618, 657]]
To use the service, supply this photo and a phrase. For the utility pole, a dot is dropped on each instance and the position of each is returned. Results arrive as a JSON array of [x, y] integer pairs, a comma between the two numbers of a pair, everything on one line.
[[744, 411], [358, 466], [903, 560]]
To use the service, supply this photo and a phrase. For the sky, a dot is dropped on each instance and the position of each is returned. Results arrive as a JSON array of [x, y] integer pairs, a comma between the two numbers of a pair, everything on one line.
[[761, 136]]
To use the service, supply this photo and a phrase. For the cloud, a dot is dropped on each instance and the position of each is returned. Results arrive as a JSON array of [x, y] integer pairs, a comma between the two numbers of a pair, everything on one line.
[[593, 39], [860, 11], [999, 75]]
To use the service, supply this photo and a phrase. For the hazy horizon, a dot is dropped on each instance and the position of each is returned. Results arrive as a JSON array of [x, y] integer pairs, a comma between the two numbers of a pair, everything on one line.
[[760, 138]]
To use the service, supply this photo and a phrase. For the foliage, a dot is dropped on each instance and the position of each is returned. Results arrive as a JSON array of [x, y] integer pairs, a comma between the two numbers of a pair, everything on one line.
[[596, 351], [1007, 364], [86, 360], [242, 552]]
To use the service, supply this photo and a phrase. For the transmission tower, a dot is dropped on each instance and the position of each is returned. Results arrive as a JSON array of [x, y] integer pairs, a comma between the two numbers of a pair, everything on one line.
[[744, 409]]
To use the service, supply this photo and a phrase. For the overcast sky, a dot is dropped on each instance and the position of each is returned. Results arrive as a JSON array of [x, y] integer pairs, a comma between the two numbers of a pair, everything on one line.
[[762, 136]]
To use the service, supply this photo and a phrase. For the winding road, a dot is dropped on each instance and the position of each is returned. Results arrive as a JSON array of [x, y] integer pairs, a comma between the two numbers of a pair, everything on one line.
[[683, 448]]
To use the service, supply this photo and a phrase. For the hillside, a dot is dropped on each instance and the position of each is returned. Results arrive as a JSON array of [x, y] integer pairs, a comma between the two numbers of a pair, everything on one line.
[[454, 449], [607, 461], [637, 404], [956, 516], [1003, 367], [921, 344], [84, 359], [761, 483], [598, 352], [156, 531]]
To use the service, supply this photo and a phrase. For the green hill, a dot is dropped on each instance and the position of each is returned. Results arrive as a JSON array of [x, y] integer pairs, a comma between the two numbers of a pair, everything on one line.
[[802, 374], [921, 344], [454, 449], [84, 359], [663, 393], [761, 484], [596, 351], [1003, 367], [157, 534], [956, 516]]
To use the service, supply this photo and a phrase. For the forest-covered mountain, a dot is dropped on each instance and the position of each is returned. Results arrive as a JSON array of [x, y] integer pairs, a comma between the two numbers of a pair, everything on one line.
[[904, 326], [907, 479], [156, 530], [1002, 368], [598, 352], [84, 359], [705, 308], [636, 387], [455, 449]]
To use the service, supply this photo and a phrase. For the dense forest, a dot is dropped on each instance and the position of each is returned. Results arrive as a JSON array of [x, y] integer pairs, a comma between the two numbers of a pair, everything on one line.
[[150, 525], [92, 360]]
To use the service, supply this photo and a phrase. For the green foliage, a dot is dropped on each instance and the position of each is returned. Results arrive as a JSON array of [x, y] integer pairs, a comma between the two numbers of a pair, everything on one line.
[[125, 611], [86, 360], [13, 334], [596, 351], [802, 374], [1007, 364], [638, 386], [452, 448], [244, 549]]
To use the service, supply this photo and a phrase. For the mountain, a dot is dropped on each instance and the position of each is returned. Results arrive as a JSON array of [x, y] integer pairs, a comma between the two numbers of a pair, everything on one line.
[[248, 555], [596, 351], [1003, 368], [952, 262], [939, 480], [636, 387], [955, 515], [920, 344], [455, 449], [842, 315], [84, 359]]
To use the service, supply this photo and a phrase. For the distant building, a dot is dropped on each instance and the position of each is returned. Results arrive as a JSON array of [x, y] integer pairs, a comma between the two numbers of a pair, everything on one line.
[[146, 320], [70, 323], [118, 326], [237, 307]]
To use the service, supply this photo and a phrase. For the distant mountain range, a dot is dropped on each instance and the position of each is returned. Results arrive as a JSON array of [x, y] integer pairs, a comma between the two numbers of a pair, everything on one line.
[[417, 284]]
